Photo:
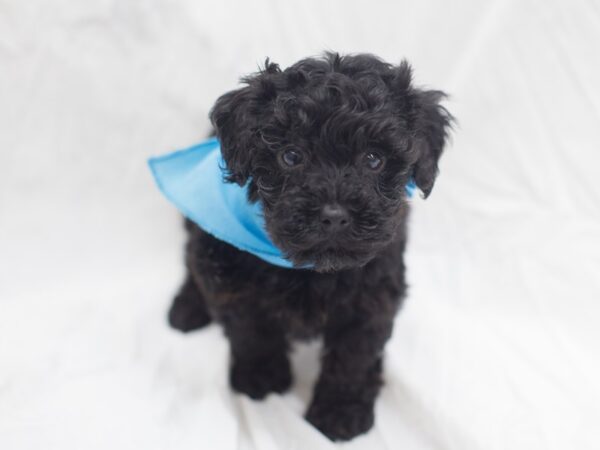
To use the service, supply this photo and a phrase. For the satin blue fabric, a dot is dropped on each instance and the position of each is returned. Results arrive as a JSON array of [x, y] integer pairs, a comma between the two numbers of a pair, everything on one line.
[[192, 179]]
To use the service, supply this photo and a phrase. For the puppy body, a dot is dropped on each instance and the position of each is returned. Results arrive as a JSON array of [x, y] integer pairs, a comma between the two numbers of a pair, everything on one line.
[[263, 308], [327, 147]]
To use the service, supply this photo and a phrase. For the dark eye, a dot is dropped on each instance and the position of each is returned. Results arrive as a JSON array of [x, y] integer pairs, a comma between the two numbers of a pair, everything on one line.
[[291, 157], [373, 161]]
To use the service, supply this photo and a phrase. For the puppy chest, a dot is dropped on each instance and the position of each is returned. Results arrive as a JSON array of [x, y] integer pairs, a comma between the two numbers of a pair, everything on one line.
[[305, 309]]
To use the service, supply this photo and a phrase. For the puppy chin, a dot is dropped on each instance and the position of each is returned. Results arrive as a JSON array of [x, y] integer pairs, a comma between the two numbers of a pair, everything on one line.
[[331, 260]]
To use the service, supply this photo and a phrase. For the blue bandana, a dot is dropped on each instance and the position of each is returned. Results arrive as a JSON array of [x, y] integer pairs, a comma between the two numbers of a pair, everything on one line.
[[193, 180]]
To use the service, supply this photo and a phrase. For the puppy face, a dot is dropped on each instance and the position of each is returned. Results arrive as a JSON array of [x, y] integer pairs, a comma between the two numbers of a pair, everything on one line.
[[328, 146]]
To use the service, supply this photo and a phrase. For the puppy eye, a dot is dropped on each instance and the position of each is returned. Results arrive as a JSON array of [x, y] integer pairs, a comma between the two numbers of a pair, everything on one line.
[[291, 157], [373, 161]]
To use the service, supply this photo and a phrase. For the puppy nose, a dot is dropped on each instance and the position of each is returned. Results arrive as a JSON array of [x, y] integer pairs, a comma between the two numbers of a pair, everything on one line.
[[334, 217]]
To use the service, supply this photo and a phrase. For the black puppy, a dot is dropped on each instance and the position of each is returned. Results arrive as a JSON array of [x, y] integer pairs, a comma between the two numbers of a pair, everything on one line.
[[328, 146]]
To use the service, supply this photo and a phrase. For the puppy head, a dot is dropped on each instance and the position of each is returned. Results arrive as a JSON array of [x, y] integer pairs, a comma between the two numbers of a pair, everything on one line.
[[328, 145]]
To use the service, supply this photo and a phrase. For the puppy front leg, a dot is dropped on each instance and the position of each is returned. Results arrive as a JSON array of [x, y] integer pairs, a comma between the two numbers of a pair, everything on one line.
[[344, 397], [259, 361]]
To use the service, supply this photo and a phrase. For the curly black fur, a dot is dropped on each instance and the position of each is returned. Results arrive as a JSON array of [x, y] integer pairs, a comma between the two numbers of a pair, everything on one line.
[[332, 111]]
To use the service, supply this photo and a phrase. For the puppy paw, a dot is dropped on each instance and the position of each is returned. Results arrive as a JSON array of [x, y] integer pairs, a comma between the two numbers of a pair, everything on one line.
[[188, 312], [341, 419], [257, 378]]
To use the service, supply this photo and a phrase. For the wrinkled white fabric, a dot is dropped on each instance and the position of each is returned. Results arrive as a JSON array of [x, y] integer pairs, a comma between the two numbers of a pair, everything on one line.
[[498, 345]]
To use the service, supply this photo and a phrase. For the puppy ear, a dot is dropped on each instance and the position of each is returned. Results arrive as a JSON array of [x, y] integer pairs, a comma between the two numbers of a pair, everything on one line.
[[432, 125], [236, 117], [234, 124], [429, 122]]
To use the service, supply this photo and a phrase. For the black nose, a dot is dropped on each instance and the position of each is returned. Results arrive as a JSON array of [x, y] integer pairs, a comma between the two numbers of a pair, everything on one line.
[[334, 217]]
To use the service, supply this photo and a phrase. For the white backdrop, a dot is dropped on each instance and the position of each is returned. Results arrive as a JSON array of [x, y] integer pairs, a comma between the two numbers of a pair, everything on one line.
[[498, 346]]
